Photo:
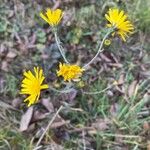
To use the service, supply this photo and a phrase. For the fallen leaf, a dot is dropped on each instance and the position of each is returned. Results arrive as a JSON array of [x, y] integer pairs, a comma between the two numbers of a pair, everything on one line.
[[101, 124], [4, 66], [11, 54], [117, 65], [3, 50], [121, 79], [132, 89], [105, 58], [38, 115], [26, 118], [148, 145], [56, 146], [114, 109], [72, 95], [48, 104], [16, 102], [59, 124], [146, 126]]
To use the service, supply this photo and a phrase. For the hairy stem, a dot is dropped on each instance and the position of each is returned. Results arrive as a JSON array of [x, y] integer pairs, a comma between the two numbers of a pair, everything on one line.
[[61, 50], [99, 50], [98, 92]]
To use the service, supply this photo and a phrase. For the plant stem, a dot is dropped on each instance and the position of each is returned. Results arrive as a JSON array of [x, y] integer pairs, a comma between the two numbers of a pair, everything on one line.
[[98, 92], [61, 50], [99, 50]]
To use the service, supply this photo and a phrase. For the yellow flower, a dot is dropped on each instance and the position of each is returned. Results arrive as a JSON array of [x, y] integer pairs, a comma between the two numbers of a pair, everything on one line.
[[52, 17], [69, 72], [118, 20], [32, 85], [107, 42]]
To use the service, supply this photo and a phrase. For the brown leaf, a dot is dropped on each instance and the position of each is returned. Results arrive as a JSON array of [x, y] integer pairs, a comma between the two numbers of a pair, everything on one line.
[[11, 54], [16, 102], [38, 115], [59, 124], [117, 65], [3, 50], [148, 145], [121, 79], [114, 109], [101, 124], [146, 126], [26, 118], [105, 58], [4, 66], [56, 146], [132, 89], [48, 104], [72, 95]]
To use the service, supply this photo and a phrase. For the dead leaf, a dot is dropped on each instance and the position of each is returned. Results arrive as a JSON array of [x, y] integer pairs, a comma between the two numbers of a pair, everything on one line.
[[59, 124], [121, 79], [117, 65], [146, 126], [11, 54], [72, 95], [132, 89], [4, 66], [26, 118], [105, 58], [101, 124], [6, 106], [114, 58], [3, 50], [38, 115], [114, 109], [148, 145], [16, 102], [56, 146], [48, 104]]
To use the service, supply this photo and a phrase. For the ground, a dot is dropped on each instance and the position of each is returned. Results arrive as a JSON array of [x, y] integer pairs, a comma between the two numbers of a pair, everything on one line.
[[117, 118]]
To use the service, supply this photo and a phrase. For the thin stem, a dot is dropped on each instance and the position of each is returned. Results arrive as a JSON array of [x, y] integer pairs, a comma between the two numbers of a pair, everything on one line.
[[119, 135], [61, 91], [98, 92], [48, 126], [61, 50], [99, 50]]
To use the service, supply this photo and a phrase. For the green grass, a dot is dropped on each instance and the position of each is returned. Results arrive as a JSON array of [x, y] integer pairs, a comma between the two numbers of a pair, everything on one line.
[[11, 139]]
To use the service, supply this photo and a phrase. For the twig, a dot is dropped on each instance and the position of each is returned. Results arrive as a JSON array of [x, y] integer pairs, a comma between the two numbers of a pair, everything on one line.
[[48, 126], [83, 140]]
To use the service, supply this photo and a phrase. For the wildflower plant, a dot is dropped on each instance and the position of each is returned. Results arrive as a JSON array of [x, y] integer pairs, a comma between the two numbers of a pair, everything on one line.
[[118, 23]]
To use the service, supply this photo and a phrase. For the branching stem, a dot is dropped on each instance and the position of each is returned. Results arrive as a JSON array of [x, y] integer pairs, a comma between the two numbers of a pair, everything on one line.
[[99, 50]]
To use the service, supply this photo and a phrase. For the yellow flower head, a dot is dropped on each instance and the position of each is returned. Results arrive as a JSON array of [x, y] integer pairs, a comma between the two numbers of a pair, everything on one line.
[[69, 72], [32, 85], [118, 20], [52, 17]]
